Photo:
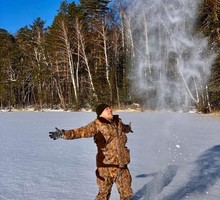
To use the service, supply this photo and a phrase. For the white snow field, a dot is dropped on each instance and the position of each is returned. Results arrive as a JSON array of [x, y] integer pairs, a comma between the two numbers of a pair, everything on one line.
[[173, 156]]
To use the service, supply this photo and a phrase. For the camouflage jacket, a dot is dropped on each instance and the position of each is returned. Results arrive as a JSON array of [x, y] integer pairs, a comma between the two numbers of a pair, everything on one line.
[[110, 138]]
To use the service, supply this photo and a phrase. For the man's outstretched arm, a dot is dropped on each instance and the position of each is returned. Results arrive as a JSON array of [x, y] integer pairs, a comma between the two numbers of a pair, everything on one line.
[[83, 132], [56, 134]]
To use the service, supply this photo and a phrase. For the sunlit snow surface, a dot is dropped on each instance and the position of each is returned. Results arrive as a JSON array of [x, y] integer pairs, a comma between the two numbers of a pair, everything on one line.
[[173, 156]]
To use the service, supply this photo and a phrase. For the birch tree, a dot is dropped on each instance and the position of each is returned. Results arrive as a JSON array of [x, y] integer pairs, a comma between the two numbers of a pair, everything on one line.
[[63, 52], [39, 63]]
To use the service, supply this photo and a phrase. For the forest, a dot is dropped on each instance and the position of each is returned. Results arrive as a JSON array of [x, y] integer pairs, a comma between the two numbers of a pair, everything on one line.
[[87, 56]]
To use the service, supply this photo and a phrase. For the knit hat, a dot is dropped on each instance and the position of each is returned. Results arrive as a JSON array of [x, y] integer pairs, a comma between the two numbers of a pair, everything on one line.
[[100, 108]]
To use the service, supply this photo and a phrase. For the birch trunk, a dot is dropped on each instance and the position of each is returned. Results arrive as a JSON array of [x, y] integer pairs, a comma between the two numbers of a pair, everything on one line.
[[83, 55], [70, 58], [147, 54], [106, 58]]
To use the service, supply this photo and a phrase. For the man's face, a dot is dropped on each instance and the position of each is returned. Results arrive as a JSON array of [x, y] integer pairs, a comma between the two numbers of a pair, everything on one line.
[[107, 113]]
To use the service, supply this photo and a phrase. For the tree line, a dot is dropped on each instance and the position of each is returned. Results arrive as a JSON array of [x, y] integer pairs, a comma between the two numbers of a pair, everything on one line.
[[83, 58]]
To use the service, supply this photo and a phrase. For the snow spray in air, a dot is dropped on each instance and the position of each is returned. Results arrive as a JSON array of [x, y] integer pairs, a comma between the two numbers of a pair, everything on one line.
[[172, 63]]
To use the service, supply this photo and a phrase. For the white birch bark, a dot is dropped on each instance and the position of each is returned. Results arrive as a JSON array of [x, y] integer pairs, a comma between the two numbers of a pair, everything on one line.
[[103, 33], [67, 49], [147, 54], [83, 55]]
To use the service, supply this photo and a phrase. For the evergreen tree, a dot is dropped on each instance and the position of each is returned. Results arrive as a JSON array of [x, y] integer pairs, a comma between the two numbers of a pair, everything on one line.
[[7, 69], [94, 7], [30, 42], [209, 24]]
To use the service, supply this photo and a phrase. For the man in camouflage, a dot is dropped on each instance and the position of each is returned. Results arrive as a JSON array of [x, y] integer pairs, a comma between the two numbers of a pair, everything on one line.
[[113, 156]]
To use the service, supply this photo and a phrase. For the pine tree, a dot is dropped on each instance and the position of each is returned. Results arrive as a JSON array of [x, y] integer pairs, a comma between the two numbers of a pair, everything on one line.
[[7, 69], [94, 7], [209, 24]]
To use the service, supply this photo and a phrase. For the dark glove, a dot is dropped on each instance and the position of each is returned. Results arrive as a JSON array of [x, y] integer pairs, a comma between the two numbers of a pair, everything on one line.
[[130, 130], [56, 134]]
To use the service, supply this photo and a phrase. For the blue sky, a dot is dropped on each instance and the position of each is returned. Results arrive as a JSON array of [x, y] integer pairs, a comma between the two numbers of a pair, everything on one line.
[[15, 14]]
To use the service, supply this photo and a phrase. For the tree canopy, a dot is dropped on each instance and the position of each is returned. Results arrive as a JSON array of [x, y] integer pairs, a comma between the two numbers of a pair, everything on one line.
[[85, 57]]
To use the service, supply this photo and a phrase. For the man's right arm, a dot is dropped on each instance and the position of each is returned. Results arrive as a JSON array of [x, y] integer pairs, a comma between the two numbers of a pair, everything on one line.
[[82, 132]]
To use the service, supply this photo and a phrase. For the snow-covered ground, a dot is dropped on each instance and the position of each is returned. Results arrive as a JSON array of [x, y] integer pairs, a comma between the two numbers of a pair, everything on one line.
[[173, 156]]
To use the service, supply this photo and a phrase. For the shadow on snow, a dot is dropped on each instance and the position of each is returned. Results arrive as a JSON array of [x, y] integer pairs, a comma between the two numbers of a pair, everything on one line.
[[205, 175], [155, 186]]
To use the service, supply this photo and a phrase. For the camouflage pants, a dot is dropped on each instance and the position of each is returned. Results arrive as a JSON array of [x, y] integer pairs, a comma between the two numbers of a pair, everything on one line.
[[107, 176]]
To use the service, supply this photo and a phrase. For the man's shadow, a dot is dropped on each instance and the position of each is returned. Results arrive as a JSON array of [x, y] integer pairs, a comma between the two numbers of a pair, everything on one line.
[[161, 179], [204, 176]]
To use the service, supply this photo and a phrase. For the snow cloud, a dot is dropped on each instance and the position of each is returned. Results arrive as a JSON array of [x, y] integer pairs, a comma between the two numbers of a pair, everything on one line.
[[172, 62]]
